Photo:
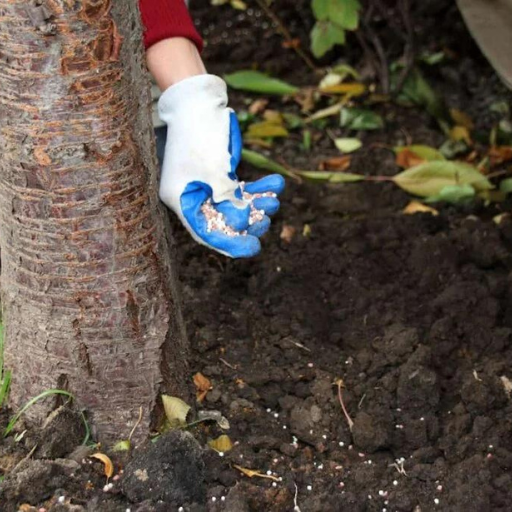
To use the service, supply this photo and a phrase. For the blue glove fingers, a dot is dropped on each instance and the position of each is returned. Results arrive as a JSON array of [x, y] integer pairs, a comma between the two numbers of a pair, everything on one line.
[[191, 200], [242, 246], [269, 205], [237, 218], [259, 228], [235, 144], [272, 183]]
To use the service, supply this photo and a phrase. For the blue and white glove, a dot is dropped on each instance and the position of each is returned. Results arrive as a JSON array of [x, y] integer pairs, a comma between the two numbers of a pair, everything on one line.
[[202, 152]]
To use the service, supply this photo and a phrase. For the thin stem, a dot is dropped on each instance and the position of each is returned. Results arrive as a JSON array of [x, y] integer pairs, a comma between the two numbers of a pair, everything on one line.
[[350, 422], [286, 34]]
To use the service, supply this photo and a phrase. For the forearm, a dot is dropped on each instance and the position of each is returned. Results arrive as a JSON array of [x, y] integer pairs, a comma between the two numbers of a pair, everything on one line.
[[172, 60]]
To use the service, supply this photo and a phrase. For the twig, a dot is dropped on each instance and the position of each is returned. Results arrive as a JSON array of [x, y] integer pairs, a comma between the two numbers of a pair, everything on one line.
[[227, 364], [341, 385], [286, 34], [136, 424], [296, 507], [405, 11]]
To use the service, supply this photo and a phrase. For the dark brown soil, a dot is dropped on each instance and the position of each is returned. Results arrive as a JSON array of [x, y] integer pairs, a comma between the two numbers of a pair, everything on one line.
[[412, 312]]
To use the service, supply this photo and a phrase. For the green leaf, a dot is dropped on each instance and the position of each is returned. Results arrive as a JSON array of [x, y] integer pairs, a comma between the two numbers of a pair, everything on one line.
[[345, 13], [424, 152], [176, 410], [505, 186], [324, 36], [452, 148], [430, 178], [348, 145], [254, 81], [321, 9], [360, 119], [453, 194], [262, 162], [331, 177], [418, 91]]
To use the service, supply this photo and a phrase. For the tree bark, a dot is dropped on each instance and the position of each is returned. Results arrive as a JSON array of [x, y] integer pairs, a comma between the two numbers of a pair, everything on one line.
[[88, 289]]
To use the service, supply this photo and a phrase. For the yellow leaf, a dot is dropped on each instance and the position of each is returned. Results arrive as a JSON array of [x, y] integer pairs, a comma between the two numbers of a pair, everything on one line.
[[266, 129], [122, 446], [416, 206], [325, 112], [252, 473], [273, 116], [221, 444], [458, 133], [176, 410], [109, 467], [350, 89], [461, 119]]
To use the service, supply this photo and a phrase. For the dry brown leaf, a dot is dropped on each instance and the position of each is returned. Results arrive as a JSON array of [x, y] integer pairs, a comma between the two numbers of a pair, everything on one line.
[[222, 444], [500, 154], [258, 106], [287, 233], [306, 98], [417, 207], [252, 473], [203, 385], [336, 163], [291, 44], [462, 119], [109, 467], [407, 158]]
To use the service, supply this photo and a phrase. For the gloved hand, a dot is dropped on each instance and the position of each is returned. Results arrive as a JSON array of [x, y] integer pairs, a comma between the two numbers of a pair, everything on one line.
[[202, 153]]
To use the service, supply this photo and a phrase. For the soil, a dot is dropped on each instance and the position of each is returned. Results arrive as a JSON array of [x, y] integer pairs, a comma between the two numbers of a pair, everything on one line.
[[407, 319]]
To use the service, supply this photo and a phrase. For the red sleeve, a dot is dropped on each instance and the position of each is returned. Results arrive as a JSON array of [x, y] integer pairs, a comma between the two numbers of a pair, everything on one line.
[[167, 18]]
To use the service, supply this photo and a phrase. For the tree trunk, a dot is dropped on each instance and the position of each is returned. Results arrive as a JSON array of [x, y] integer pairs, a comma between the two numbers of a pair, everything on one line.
[[88, 289]]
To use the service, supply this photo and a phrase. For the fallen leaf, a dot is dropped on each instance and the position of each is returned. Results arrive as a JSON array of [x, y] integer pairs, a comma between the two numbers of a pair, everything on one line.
[[360, 119], [203, 385], [176, 410], [122, 446], [325, 112], [262, 162], [453, 194], [460, 133], [221, 444], [500, 154], [335, 163], [287, 233], [292, 43], [258, 106], [348, 145], [461, 119], [266, 129], [349, 89], [109, 467], [407, 158], [430, 178], [417, 207], [306, 230], [252, 473], [423, 152]]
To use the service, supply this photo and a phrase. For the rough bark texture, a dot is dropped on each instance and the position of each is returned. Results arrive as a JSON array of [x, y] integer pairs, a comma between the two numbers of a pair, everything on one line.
[[88, 290]]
